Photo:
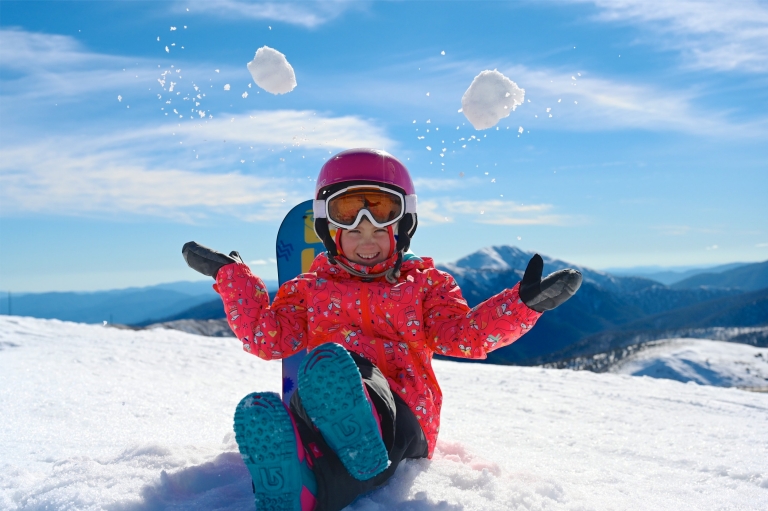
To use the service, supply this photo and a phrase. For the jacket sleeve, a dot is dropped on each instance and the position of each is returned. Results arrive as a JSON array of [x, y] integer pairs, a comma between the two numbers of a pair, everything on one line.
[[454, 329], [269, 332]]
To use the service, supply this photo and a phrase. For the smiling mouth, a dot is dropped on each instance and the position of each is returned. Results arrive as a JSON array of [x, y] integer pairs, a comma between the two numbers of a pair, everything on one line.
[[368, 257]]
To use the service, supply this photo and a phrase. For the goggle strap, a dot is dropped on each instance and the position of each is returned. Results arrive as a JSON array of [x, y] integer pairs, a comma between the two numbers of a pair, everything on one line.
[[410, 203], [318, 207]]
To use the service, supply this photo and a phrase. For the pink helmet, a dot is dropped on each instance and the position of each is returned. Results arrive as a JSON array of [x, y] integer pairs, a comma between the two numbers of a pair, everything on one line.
[[366, 166], [369, 165]]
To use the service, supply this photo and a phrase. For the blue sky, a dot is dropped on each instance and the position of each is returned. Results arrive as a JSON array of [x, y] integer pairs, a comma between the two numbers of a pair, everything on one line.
[[655, 152]]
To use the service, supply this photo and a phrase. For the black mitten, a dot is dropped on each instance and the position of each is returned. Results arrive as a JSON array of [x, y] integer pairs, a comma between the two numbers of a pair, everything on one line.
[[556, 288], [206, 261]]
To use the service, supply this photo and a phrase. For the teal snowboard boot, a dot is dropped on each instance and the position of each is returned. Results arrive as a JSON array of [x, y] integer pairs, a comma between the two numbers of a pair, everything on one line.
[[336, 400], [272, 450]]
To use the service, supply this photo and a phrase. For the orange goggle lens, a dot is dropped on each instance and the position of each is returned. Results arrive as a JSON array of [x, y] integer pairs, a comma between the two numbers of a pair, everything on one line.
[[384, 207]]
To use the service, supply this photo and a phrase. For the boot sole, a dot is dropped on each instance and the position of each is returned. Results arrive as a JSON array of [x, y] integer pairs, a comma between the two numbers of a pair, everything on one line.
[[265, 437], [331, 392]]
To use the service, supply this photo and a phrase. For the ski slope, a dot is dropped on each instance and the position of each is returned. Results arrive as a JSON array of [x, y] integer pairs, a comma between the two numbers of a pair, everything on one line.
[[100, 418]]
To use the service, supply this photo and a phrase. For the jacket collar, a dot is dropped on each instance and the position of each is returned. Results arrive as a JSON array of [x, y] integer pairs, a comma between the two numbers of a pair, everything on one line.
[[321, 264]]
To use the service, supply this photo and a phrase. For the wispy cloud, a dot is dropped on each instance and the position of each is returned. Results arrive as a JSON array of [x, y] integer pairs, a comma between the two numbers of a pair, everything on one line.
[[45, 65], [41, 180], [24, 50], [711, 34], [58, 66], [497, 212], [444, 184], [183, 169], [673, 230], [306, 14], [283, 129], [578, 99], [138, 171]]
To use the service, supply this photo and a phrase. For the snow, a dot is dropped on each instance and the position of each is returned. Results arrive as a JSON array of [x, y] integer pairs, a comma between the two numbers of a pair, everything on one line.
[[95, 417], [271, 71], [490, 97], [703, 361]]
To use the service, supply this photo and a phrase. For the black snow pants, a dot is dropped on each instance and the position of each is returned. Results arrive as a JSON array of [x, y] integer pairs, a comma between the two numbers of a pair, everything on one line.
[[402, 434]]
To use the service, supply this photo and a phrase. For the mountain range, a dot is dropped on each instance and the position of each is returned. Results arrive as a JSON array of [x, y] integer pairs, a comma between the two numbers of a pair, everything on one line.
[[130, 306], [670, 275], [610, 306], [609, 312]]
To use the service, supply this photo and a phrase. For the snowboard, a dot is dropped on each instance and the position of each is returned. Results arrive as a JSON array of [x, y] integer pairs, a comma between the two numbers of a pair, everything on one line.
[[297, 245]]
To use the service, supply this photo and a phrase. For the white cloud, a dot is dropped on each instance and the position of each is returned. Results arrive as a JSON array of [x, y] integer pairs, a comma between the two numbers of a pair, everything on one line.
[[24, 50], [431, 212], [502, 212], [497, 212], [284, 128], [307, 14], [57, 66], [42, 180], [139, 172], [48, 65], [444, 184], [607, 104], [711, 34], [673, 230], [603, 103]]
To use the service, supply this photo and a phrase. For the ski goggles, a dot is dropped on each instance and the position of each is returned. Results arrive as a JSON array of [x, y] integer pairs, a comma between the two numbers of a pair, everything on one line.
[[347, 207]]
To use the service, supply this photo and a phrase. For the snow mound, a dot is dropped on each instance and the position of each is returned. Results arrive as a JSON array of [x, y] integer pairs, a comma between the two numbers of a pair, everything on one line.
[[271, 71], [490, 97], [702, 361], [102, 418]]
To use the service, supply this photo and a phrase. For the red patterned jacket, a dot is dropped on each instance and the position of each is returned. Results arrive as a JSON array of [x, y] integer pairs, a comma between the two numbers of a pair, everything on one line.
[[397, 327]]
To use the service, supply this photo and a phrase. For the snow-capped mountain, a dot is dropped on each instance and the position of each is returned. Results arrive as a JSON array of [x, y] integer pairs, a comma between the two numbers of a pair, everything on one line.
[[101, 418], [504, 258]]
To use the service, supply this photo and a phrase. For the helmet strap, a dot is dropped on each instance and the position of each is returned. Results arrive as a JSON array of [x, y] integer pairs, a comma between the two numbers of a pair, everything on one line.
[[324, 233], [405, 229]]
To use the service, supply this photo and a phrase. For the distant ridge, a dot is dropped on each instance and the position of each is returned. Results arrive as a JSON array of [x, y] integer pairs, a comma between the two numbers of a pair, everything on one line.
[[749, 277], [134, 305], [669, 276], [736, 311]]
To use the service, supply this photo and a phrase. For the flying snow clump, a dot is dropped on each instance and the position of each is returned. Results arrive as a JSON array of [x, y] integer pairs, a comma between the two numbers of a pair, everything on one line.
[[271, 71], [490, 97]]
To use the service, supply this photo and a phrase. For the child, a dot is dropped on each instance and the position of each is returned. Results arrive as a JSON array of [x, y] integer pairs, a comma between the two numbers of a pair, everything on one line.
[[372, 315]]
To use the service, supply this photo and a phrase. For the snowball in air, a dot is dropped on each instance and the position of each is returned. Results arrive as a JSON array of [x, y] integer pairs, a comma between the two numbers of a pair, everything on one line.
[[490, 97], [271, 71], [226, 86]]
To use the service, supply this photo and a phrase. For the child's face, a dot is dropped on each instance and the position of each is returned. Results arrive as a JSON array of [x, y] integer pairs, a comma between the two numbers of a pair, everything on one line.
[[366, 244]]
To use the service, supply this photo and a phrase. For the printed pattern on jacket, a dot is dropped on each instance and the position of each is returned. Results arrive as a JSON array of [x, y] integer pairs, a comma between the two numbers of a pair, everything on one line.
[[397, 327]]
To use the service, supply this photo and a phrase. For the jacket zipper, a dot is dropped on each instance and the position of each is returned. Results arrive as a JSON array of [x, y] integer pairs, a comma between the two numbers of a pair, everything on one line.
[[368, 330]]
